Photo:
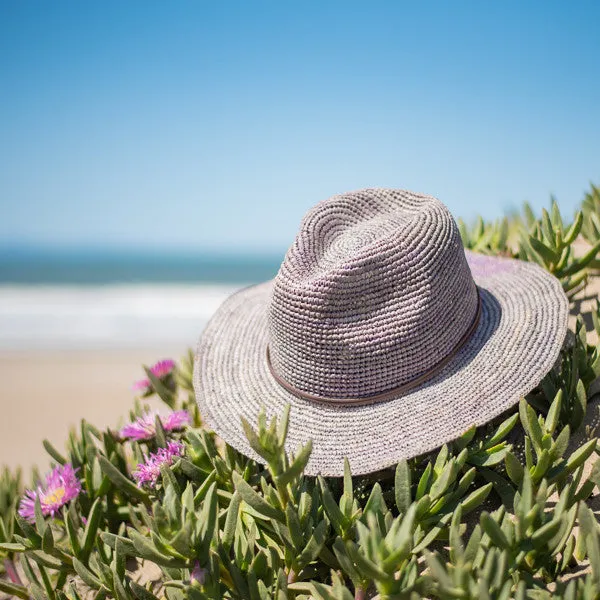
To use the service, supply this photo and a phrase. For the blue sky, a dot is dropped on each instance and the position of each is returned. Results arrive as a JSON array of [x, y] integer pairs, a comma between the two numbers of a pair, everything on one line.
[[197, 125]]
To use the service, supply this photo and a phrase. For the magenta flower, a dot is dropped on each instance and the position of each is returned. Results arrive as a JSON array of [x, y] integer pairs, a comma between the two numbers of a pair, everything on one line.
[[161, 369], [61, 487], [144, 427], [198, 574], [149, 471]]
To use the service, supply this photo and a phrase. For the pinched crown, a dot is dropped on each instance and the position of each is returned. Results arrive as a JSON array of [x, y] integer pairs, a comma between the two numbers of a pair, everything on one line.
[[374, 292]]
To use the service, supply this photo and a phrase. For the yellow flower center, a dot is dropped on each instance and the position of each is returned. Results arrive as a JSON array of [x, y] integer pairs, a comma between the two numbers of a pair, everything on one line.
[[56, 496]]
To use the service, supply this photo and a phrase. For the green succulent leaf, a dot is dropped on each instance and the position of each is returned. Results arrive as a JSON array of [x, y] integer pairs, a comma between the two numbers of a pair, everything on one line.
[[402, 485], [54, 453], [253, 499], [121, 481], [314, 546], [14, 589], [297, 467], [86, 575], [140, 592], [494, 531], [546, 252]]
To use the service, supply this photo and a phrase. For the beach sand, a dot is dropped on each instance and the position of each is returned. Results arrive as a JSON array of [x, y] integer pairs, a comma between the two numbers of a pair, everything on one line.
[[44, 393]]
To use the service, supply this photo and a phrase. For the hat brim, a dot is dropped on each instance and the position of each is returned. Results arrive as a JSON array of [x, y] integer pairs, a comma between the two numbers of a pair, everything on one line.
[[522, 327]]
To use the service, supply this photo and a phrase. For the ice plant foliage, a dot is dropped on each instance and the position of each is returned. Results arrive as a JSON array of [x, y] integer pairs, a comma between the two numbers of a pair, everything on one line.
[[61, 486], [148, 472], [161, 369], [144, 427]]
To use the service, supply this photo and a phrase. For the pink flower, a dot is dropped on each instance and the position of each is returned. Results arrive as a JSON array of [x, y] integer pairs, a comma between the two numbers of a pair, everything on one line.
[[144, 427], [61, 487], [198, 574], [149, 471], [161, 369]]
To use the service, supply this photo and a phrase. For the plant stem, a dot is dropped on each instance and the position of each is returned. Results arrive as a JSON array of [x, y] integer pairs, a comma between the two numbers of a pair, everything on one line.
[[359, 594], [11, 571]]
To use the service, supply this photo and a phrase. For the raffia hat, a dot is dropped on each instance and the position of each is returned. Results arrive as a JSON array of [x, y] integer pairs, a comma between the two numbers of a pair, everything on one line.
[[384, 335]]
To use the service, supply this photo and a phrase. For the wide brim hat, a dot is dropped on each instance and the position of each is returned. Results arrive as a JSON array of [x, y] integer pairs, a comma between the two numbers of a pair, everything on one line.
[[510, 319]]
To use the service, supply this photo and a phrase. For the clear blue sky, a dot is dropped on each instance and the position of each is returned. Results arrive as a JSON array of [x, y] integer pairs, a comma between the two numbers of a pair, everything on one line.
[[216, 125]]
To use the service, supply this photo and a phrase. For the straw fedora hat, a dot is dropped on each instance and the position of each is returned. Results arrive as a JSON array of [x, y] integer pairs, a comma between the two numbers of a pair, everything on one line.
[[384, 335]]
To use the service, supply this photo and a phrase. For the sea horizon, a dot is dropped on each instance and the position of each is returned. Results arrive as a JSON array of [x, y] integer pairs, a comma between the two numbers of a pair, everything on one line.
[[95, 299], [37, 265]]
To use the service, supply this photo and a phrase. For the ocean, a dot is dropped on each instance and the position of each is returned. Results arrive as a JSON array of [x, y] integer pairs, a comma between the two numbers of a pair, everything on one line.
[[115, 300]]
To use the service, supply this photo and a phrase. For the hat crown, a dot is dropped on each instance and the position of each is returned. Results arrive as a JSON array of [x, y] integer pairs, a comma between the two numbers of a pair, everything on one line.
[[373, 293]]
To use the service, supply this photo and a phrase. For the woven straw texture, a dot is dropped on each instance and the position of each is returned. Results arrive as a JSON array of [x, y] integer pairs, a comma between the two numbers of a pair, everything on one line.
[[376, 291]]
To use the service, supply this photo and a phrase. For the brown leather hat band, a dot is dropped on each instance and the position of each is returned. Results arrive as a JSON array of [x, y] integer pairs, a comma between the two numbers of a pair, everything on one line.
[[389, 394]]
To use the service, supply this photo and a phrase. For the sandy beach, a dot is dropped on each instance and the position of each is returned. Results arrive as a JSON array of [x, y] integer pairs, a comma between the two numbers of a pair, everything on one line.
[[69, 352], [44, 393]]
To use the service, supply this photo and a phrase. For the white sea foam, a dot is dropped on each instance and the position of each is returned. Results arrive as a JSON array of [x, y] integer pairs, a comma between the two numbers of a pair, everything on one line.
[[107, 316]]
